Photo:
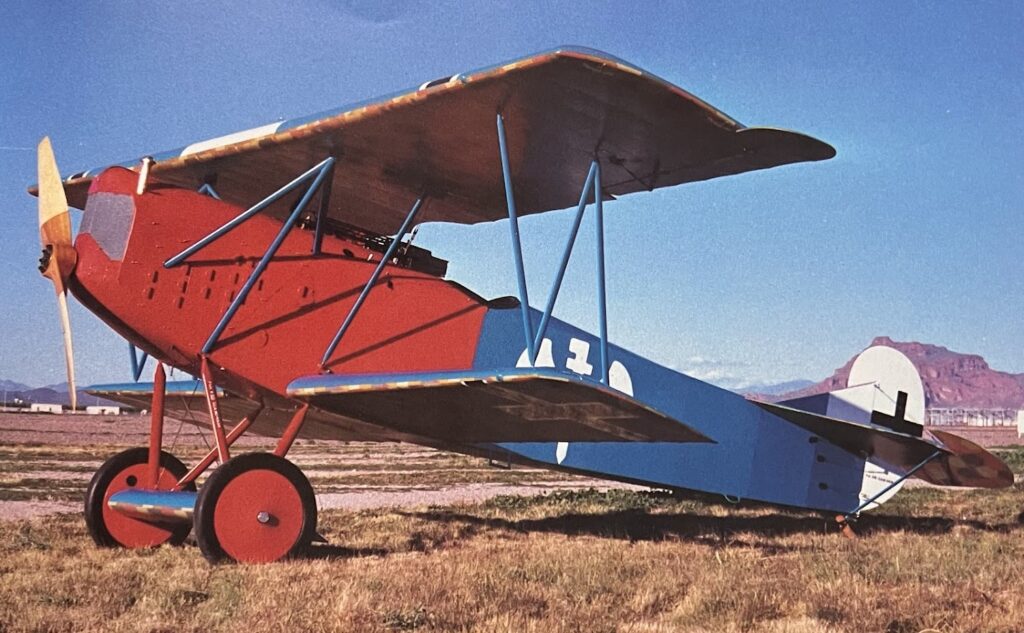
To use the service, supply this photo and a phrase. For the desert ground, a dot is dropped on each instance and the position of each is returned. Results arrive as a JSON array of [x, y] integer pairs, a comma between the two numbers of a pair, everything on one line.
[[425, 540]]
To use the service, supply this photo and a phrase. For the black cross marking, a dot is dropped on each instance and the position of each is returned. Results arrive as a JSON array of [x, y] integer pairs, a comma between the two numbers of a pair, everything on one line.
[[898, 422]]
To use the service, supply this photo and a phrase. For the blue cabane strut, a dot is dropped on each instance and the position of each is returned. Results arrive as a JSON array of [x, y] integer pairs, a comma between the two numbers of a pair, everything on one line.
[[138, 364], [591, 187], [207, 190], [318, 173]]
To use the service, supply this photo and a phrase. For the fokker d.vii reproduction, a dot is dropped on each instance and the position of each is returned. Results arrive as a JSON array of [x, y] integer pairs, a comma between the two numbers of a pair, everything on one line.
[[276, 264]]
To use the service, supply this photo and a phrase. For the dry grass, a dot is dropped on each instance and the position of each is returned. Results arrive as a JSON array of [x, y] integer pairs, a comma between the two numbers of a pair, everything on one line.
[[615, 561], [933, 560]]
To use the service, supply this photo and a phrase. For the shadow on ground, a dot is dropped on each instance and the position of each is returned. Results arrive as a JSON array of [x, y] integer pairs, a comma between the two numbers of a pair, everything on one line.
[[637, 525], [326, 551], [640, 525]]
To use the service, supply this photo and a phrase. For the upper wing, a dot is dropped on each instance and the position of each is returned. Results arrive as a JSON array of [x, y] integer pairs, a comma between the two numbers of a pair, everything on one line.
[[562, 109], [527, 405]]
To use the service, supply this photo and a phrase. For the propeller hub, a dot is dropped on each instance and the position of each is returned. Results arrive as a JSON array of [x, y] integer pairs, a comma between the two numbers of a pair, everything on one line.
[[57, 262], [44, 261]]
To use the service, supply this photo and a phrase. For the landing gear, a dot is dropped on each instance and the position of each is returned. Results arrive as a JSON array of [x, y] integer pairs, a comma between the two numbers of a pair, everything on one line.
[[128, 469], [255, 508]]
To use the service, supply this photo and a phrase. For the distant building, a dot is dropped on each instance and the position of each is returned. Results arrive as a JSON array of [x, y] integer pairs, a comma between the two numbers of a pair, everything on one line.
[[975, 417], [99, 409], [39, 407], [987, 427]]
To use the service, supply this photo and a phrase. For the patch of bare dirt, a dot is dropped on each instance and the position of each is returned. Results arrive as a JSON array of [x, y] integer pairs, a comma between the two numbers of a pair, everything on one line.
[[17, 510], [40, 452]]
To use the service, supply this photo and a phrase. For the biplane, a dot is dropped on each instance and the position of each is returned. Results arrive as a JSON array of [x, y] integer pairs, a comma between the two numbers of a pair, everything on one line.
[[277, 266]]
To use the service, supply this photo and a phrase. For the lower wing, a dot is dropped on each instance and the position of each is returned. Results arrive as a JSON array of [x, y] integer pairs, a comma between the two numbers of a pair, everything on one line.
[[521, 405], [186, 401]]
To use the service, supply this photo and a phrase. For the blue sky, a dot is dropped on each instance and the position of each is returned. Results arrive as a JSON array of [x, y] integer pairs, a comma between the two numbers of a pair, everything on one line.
[[914, 231]]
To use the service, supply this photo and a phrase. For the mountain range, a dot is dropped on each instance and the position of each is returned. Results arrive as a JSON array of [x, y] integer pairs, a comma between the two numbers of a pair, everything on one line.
[[11, 391], [10, 385], [951, 379]]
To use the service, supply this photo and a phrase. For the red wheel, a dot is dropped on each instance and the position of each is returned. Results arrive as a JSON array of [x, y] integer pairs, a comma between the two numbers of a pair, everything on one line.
[[110, 528], [255, 508]]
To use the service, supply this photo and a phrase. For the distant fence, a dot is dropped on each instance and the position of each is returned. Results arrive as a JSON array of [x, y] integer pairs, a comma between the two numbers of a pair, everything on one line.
[[987, 427], [975, 417]]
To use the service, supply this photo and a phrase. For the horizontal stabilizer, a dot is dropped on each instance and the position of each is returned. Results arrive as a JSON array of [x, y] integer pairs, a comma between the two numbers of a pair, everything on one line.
[[969, 465], [961, 463], [865, 440], [527, 405]]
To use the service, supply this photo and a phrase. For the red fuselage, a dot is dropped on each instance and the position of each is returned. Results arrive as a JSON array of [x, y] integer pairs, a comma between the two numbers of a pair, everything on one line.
[[411, 321]]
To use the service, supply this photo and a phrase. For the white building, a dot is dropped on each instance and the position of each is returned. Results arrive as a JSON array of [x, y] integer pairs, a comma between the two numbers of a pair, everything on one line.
[[100, 409], [39, 407]]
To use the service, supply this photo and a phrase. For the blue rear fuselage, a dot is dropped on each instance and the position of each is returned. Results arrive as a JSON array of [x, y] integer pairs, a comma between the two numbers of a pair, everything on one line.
[[756, 455]]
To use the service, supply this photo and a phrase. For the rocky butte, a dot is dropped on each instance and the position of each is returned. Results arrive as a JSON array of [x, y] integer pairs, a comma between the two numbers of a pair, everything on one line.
[[951, 379]]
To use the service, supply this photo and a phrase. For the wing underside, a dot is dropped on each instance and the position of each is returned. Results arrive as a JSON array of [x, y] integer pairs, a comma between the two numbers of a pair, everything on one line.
[[478, 407], [186, 402]]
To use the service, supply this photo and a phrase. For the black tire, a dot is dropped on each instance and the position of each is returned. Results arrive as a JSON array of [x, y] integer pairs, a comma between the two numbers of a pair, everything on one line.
[[211, 493], [107, 474]]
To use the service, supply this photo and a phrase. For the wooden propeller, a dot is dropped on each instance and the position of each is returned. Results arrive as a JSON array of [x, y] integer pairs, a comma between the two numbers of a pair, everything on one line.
[[59, 256]]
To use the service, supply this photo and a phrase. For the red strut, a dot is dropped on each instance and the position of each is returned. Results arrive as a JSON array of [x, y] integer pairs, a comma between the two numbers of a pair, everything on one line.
[[156, 428], [291, 431], [211, 402]]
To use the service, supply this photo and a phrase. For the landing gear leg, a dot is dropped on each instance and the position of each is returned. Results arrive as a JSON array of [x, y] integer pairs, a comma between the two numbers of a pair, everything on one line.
[[143, 468]]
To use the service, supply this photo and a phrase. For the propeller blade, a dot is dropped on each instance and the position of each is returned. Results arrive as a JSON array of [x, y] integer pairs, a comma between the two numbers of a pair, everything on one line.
[[59, 256], [54, 219], [69, 352]]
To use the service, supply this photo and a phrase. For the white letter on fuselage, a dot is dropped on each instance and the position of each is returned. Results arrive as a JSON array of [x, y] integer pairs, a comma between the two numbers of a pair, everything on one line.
[[578, 361]]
